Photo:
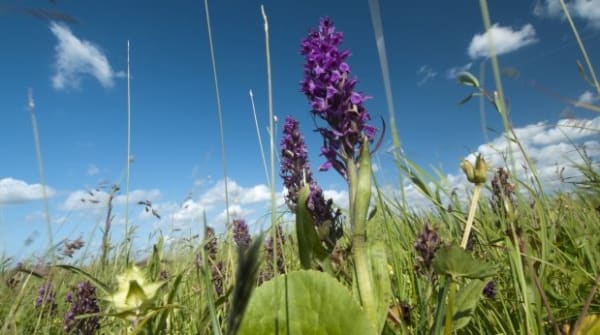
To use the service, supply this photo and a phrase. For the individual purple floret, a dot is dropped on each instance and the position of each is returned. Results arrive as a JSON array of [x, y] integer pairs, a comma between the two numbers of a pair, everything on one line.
[[329, 88], [241, 235], [83, 301]]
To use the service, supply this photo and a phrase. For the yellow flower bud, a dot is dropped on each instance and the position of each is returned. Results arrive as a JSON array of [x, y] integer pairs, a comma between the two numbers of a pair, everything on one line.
[[475, 174]]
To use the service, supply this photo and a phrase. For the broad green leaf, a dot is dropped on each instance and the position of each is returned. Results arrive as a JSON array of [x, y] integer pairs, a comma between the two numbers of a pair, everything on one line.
[[308, 302], [466, 302], [456, 262], [381, 279], [309, 243], [468, 79]]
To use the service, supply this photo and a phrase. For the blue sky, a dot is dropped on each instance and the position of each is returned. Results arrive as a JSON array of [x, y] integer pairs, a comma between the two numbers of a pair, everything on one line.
[[77, 71]]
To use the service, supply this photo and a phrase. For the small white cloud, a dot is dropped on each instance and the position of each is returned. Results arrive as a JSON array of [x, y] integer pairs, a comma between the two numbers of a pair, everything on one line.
[[425, 73], [136, 196], [15, 191], [587, 10], [587, 97], [85, 200], [340, 198], [453, 72], [92, 170], [77, 58], [505, 40]]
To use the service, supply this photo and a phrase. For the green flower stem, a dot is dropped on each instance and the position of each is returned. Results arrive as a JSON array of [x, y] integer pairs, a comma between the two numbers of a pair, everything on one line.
[[360, 196], [450, 309], [471, 217]]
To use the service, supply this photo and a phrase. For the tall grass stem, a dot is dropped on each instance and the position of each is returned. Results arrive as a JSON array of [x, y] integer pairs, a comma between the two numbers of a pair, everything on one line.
[[260, 143], [38, 154], [219, 111]]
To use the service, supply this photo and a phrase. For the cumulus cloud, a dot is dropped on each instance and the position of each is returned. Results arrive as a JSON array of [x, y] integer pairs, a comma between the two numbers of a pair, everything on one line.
[[425, 73], [587, 10], [453, 72], [505, 40], [15, 191], [549, 146], [76, 58]]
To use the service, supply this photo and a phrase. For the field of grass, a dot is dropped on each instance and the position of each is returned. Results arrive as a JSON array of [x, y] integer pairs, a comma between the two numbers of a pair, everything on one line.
[[510, 259]]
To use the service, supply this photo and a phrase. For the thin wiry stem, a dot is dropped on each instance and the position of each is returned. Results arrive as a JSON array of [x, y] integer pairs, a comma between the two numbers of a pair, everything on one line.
[[272, 154], [128, 162], [219, 110], [385, 72], [262, 150], [38, 154], [581, 46]]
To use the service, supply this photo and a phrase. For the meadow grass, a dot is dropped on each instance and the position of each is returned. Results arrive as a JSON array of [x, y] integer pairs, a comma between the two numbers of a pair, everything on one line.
[[509, 258]]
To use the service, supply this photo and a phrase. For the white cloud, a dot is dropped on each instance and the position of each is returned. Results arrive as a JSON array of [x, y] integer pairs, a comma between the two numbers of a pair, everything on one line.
[[549, 146], [340, 198], [84, 200], [587, 97], [14, 191], [453, 72], [587, 10], [425, 73], [77, 58], [505, 40], [138, 195], [92, 170]]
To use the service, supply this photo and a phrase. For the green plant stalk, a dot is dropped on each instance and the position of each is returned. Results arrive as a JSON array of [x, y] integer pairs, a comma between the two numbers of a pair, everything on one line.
[[450, 308], [471, 217], [361, 191]]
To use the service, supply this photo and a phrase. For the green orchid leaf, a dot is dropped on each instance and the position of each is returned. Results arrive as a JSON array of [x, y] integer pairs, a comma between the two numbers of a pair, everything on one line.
[[381, 279], [309, 243], [456, 262], [308, 302]]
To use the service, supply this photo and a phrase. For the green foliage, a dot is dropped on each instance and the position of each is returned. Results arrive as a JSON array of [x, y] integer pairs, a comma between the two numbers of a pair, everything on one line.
[[310, 302], [310, 248], [459, 263]]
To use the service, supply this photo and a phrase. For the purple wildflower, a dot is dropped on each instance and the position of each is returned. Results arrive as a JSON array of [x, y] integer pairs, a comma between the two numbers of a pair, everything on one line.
[[428, 242], [241, 235], [330, 90], [490, 290], [83, 301], [295, 171], [46, 297]]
